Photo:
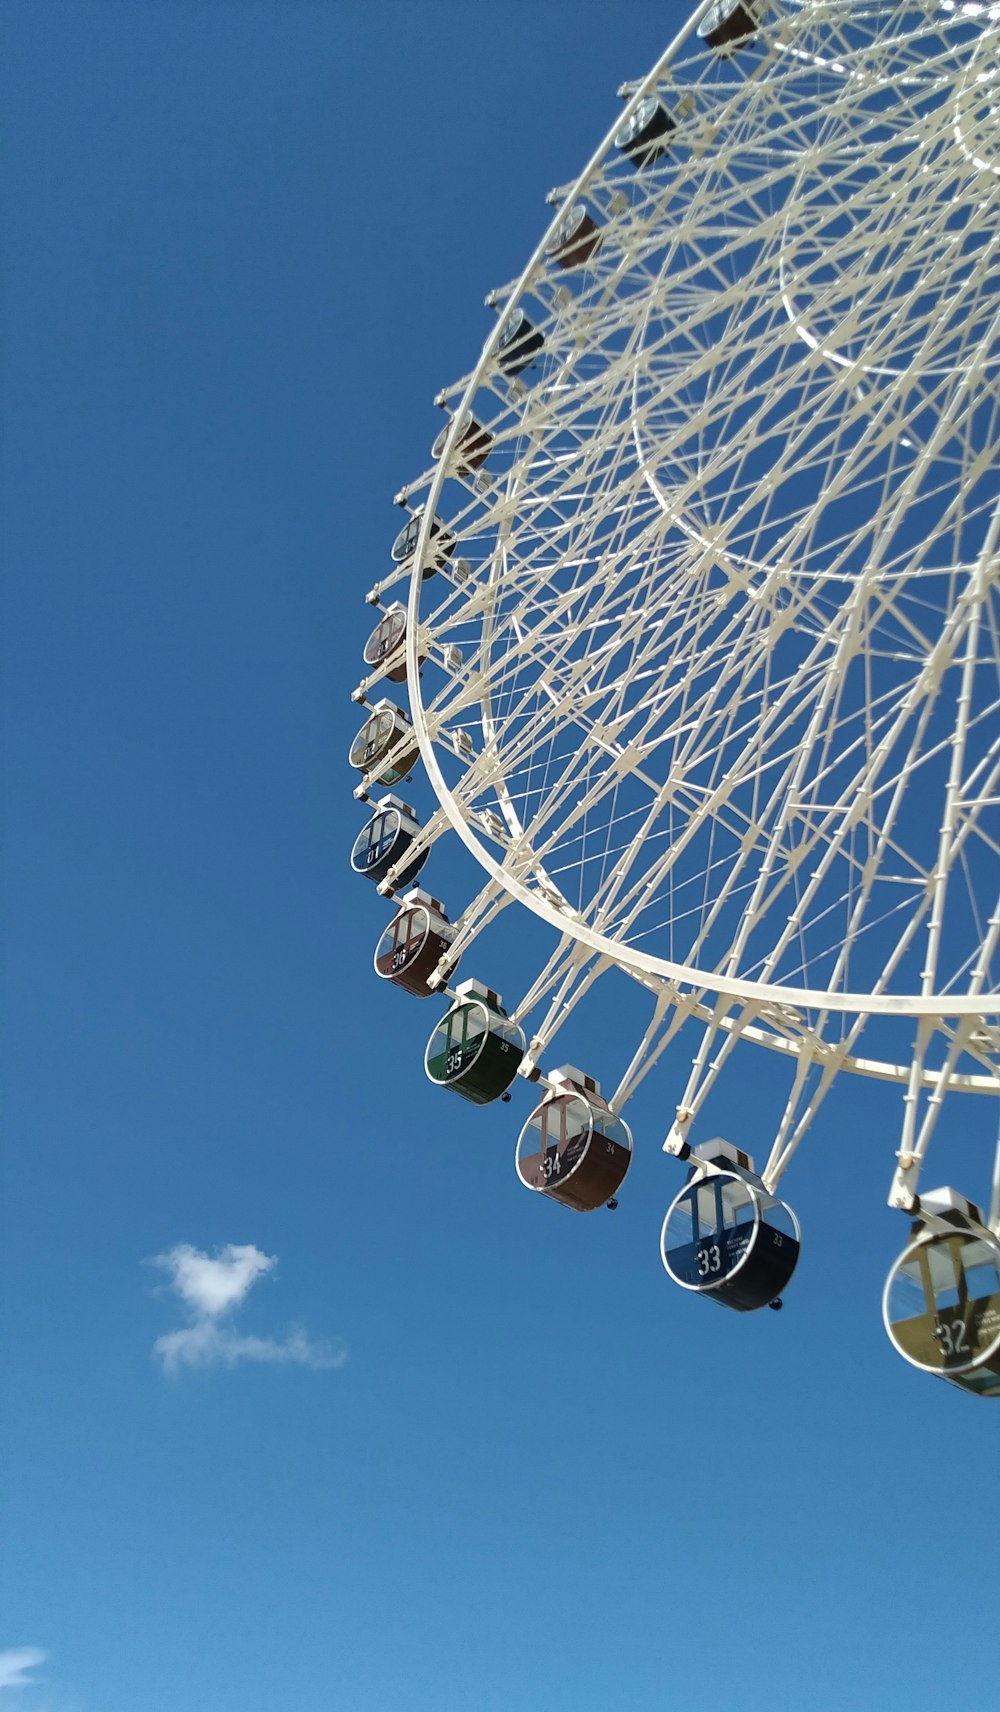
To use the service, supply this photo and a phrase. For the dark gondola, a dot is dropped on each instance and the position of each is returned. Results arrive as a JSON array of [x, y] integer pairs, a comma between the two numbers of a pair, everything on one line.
[[644, 137], [519, 343], [726, 1236]]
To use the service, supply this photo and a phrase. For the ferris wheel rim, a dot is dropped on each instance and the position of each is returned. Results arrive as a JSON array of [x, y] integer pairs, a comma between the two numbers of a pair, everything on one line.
[[563, 919]]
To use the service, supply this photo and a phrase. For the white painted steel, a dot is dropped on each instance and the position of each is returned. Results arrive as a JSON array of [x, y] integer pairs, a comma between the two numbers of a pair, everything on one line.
[[728, 615]]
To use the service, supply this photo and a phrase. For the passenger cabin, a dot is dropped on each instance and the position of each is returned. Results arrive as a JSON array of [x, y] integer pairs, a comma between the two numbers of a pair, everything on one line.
[[472, 445], [383, 842], [572, 1147], [729, 23], [441, 543], [645, 135], [941, 1305], [726, 1236], [519, 343], [475, 1049], [575, 240], [385, 748], [384, 649], [414, 944]]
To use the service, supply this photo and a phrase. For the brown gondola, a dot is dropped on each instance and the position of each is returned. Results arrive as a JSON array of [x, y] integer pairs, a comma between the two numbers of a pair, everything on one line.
[[729, 23], [414, 944], [386, 641], [385, 648], [573, 1148], [472, 447], [575, 240]]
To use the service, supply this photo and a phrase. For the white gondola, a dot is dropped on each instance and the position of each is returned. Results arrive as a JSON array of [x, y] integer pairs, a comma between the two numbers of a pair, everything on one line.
[[941, 1305], [573, 1148], [385, 748], [726, 1236]]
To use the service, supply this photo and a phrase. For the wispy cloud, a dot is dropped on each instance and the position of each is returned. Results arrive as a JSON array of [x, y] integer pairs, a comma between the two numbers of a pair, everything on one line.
[[15, 1663], [212, 1287]]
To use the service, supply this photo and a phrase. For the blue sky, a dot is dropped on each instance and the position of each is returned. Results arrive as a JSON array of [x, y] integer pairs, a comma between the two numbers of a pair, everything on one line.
[[306, 1402]]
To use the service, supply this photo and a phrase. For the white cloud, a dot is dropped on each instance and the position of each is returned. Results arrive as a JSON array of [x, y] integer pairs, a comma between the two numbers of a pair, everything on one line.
[[212, 1288], [205, 1343], [15, 1662]]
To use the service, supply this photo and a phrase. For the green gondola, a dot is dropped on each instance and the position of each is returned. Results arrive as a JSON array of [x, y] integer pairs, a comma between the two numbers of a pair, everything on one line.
[[475, 1049]]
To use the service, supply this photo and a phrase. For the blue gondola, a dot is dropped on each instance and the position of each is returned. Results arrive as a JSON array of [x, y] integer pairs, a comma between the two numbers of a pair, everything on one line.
[[519, 343], [383, 842], [726, 1236]]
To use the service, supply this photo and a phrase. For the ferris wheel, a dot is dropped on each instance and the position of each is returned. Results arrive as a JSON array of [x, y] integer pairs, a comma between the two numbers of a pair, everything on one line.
[[696, 607]]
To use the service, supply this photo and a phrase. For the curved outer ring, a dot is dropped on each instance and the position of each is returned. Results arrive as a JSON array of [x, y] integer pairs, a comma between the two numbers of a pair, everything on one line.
[[567, 920]]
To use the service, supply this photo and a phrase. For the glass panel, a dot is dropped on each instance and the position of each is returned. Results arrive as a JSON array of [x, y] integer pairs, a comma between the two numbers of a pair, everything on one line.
[[375, 841], [739, 1206], [457, 1041], [709, 1229], [779, 1218], [613, 1129], [554, 1140], [385, 637], [402, 941]]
